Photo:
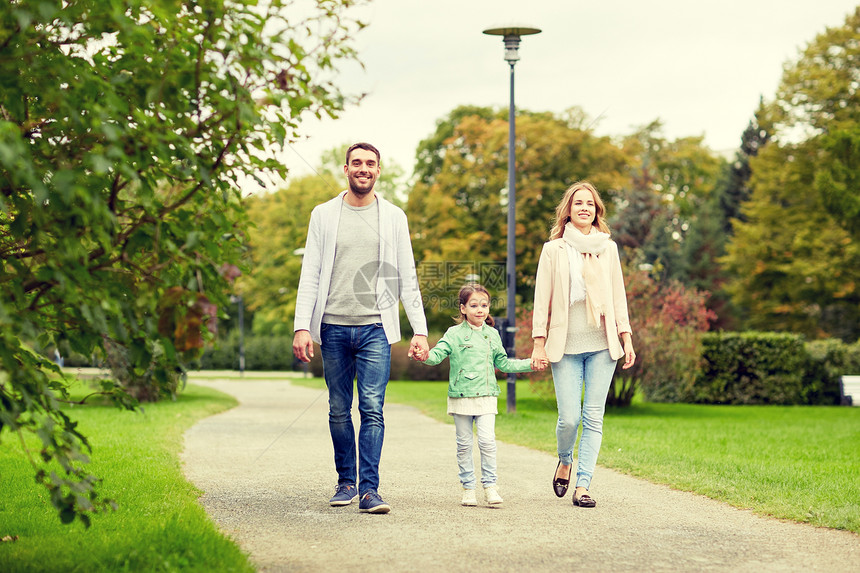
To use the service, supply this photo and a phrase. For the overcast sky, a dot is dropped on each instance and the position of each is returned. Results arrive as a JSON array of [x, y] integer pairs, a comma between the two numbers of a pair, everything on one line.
[[699, 66]]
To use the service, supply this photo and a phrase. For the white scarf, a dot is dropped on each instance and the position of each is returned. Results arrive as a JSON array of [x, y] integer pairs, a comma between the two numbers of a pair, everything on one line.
[[585, 278]]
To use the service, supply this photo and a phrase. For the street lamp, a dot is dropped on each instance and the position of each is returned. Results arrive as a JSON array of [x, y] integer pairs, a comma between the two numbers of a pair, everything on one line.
[[300, 252], [237, 299], [511, 36]]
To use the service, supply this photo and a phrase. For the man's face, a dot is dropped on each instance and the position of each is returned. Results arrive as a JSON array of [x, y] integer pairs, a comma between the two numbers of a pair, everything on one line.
[[361, 171]]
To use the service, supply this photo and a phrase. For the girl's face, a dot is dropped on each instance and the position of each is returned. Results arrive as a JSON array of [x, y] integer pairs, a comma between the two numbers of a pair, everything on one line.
[[583, 210], [477, 308]]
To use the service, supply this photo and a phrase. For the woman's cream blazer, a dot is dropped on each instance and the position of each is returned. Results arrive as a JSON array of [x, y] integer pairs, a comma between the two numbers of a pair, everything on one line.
[[552, 299]]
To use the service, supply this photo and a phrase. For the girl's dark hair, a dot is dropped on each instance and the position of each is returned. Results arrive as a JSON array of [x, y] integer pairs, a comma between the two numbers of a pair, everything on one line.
[[466, 293]]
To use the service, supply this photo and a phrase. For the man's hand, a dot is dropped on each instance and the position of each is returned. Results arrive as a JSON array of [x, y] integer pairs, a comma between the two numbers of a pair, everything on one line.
[[303, 346], [418, 348]]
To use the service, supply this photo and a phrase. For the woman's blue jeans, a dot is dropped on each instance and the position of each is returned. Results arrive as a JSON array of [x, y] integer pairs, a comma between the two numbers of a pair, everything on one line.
[[594, 371], [350, 353]]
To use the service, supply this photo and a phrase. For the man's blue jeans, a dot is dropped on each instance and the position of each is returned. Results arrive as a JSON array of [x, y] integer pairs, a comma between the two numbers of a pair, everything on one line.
[[349, 352], [593, 370]]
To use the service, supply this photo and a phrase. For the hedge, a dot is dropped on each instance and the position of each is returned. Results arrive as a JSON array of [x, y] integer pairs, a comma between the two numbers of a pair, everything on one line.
[[772, 368], [737, 367]]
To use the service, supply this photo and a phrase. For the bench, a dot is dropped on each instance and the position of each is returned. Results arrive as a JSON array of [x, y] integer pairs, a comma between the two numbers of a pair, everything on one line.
[[851, 390]]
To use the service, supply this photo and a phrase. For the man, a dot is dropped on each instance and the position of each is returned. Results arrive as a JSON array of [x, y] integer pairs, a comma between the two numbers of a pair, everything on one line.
[[357, 263]]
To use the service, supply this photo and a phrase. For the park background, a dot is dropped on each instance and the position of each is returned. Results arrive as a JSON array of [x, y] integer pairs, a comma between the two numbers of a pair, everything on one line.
[[149, 228]]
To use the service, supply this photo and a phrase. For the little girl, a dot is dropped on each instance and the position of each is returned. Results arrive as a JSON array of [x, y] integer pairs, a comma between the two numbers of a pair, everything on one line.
[[475, 351]]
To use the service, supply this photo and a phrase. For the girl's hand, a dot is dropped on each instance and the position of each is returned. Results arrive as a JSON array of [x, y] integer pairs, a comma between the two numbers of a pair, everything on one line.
[[419, 349], [420, 355]]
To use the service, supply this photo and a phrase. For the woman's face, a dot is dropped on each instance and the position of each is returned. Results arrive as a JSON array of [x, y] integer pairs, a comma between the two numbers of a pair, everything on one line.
[[583, 210]]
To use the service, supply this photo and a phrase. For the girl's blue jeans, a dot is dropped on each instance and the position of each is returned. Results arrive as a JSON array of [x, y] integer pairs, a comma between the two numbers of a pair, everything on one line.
[[486, 430], [362, 353], [581, 385]]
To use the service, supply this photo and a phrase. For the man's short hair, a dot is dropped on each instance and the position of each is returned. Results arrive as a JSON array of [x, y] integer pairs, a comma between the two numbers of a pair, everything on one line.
[[366, 147]]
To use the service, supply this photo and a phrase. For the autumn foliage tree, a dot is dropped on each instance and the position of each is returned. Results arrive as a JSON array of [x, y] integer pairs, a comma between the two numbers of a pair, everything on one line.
[[458, 205], [126, 131]]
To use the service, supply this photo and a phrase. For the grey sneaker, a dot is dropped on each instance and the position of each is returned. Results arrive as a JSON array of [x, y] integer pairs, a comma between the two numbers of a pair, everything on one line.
[[372, 503], [492, 495], [345, 495]]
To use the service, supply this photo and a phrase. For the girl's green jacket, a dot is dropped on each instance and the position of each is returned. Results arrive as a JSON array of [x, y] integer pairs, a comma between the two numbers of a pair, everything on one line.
[[474, 356]]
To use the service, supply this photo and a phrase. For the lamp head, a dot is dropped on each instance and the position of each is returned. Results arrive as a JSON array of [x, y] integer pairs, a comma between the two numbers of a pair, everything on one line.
[[511, 36]]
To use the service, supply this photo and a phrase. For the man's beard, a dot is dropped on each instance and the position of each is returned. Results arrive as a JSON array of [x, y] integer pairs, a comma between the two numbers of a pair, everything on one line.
[[361, 192]]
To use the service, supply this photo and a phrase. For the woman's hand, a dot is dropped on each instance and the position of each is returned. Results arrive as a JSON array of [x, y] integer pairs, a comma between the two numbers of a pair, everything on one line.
[[629, 353], [539, 359]]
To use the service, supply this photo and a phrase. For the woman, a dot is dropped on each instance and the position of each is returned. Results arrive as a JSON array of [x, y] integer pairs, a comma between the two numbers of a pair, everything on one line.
[[580, 310]]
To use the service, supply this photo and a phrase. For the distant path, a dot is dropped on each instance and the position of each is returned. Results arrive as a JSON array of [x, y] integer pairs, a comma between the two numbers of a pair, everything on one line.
[[267, 472]]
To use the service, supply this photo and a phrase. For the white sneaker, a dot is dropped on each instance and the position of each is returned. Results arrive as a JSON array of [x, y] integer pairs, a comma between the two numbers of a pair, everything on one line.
[[492, 495], [469, 498]]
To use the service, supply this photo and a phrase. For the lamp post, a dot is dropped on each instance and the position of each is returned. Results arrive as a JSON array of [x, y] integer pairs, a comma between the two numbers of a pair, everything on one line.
[[511, 36], [238, 300], [306, 367]]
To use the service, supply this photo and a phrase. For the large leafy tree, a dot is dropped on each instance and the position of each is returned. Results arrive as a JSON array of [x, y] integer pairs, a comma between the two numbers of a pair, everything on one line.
[[794, 261], [458, 205], [126, 130], [838, 177], [820, 95], [792, 267]]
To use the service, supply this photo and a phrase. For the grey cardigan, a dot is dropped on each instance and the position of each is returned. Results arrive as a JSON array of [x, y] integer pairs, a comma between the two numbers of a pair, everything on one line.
[[397, 278]]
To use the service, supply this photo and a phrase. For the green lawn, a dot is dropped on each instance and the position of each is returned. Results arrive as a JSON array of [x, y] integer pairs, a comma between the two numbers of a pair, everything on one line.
[[159, 525], [792, 462]]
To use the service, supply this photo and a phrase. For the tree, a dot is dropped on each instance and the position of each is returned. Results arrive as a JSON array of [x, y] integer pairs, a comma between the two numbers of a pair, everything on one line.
[[818, 93], [818, 96], [670, 183], [794, 261], [736, 190], [126, 130], [458, 205], [791, 267], [838, 177]]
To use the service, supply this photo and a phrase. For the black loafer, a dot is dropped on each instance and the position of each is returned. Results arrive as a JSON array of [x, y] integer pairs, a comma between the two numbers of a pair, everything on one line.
[[584, 500], [560, 485]]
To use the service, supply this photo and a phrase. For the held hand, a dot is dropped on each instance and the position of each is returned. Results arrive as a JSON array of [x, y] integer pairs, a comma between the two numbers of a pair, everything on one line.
[[539, 359], [418, 348], [303, 346]]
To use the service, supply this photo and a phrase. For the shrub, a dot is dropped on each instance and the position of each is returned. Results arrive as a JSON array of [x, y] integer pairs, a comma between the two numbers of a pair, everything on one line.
[[668, 321], [752, 368], [829, 360], [273, 353], [223, 354]]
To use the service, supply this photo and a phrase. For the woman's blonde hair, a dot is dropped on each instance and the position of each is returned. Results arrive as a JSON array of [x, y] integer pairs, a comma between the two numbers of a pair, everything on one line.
[[562, 211]]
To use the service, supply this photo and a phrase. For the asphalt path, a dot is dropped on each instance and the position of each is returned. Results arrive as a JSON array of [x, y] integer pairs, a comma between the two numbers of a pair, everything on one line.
[[267, 472]]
